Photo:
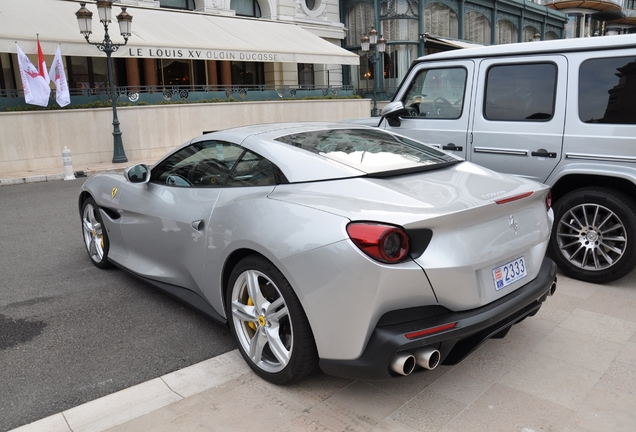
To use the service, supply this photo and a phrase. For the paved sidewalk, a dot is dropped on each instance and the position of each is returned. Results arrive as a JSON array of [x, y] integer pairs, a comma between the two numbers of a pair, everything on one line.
[[53, 174], [572, 367]]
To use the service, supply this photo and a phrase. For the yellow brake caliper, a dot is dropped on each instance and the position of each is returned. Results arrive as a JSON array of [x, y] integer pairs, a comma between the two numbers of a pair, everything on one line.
[[251, 324]]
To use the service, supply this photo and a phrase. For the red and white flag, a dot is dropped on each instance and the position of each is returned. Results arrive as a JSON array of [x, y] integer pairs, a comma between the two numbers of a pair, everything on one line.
[[58, 76], [36, 87], [42, 64]]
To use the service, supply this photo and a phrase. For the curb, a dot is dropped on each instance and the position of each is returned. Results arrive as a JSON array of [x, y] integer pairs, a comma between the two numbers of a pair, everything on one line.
[[54, 177], [136, 401]]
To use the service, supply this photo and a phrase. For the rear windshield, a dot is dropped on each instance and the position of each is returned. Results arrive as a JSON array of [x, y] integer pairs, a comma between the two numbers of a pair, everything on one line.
[[372, 151]]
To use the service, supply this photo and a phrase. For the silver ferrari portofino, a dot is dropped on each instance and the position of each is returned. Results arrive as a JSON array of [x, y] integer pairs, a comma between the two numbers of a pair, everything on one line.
[[352, 249]]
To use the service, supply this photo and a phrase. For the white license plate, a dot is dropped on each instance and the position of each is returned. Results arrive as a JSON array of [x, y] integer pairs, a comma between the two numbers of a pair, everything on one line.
[[510, 273]]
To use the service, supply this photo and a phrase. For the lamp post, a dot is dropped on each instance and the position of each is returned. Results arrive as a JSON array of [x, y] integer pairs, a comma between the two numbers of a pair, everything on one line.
[[85, 22], [379, 45]]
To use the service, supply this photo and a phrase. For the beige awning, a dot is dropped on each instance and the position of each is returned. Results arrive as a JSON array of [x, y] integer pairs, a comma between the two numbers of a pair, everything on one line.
[[167, 34]]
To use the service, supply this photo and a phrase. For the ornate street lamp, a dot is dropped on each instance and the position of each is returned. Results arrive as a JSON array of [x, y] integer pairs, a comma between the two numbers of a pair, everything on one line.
[[379, 45], [85, 22]]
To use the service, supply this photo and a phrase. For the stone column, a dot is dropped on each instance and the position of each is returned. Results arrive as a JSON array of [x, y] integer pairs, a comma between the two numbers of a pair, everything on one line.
[[226, 73], [150, 72], [132, 73], [213, 78]]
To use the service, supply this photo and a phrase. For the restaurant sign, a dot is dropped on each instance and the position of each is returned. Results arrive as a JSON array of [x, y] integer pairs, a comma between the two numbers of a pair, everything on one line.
[[193, 54]]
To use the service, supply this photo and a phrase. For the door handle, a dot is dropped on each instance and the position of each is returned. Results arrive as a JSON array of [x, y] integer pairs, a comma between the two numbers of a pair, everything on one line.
[[543, 153], [453, 147], [197, 225]]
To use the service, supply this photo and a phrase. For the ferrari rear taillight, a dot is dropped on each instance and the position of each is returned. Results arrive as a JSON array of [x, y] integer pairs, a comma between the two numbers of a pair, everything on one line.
[[548, 200], [385, 243]]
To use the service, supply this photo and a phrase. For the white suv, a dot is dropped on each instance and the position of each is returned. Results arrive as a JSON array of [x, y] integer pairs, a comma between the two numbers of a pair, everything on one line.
[[560, 112]]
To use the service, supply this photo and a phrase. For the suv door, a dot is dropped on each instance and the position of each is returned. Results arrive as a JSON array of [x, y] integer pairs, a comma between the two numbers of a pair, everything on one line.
[[437, 98], [520, 115]]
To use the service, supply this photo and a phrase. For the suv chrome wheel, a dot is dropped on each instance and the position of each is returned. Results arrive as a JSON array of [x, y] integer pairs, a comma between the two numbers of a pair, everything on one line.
[[591, 237], [594, 235]]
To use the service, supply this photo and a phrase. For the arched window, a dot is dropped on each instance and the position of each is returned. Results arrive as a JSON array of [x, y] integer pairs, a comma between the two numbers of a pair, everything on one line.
[[506, 32], [440, 20], [477, 28], [550, 35], [248, 8], [529, 32], [360, 19], [400, 25]]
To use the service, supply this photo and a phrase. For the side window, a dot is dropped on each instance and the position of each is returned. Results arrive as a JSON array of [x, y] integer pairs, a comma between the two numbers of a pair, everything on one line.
[[607, 91], [253, 170], [202, 164], [437, 93], [520, 92]]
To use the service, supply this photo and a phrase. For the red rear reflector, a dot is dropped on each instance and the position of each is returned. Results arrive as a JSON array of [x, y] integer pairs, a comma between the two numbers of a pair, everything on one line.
[[429, 331], [515, 198]]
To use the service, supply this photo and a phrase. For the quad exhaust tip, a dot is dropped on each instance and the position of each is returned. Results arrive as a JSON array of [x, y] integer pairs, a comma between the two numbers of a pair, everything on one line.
[[427, 358], [404, 363], [553, 287]]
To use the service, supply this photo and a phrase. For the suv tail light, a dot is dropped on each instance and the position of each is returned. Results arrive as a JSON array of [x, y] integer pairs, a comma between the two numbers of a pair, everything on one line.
[[385, 243]]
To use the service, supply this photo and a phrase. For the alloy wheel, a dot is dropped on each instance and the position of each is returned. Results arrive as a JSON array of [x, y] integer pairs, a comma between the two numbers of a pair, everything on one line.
[[93, 235], [591, 237], [262, 321]]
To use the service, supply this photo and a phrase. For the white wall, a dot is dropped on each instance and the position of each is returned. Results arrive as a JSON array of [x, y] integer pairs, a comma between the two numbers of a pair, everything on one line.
[[33, 140]]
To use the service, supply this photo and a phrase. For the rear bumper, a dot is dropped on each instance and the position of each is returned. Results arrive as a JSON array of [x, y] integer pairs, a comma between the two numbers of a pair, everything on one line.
[[472, 328]]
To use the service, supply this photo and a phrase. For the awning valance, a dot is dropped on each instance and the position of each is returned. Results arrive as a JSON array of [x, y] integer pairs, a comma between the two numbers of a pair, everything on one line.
[[168, 34]]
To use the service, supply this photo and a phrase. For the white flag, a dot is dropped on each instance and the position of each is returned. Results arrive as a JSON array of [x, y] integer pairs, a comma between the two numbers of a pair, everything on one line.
[[36, 88], [58, 76]]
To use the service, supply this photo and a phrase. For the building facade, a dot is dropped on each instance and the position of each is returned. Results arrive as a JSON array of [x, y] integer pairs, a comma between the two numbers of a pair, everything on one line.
[[414, 28], [596, 17], [227, 48]]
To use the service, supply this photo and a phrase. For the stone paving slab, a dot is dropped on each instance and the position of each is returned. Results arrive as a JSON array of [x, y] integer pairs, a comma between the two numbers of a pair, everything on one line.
[[572, 367]]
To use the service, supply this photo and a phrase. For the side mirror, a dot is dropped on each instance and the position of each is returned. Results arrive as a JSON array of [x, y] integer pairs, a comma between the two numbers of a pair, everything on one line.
[[393, 110], [392, 113], [138, 173]]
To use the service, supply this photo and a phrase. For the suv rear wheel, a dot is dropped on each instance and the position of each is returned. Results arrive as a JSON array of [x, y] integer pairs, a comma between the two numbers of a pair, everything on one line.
[[594, 235]]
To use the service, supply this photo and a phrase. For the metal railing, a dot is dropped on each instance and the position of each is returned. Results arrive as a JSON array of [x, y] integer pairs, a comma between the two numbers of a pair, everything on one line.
[[153, 95]]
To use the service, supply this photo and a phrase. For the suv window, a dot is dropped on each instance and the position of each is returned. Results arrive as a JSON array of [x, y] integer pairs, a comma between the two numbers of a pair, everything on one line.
[[437, 93], [520, 92], [607, 91]]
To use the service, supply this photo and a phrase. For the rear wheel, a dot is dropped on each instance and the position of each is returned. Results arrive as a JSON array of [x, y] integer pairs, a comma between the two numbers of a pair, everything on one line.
[[269, 323], [94, 233], [594, 236]]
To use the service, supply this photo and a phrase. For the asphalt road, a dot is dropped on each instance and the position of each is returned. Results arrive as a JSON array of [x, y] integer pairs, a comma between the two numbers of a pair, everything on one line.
[[69, 332]]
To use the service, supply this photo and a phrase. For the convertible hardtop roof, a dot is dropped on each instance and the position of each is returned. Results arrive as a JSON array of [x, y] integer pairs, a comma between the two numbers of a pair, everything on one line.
[[303, 165], [541, 47]]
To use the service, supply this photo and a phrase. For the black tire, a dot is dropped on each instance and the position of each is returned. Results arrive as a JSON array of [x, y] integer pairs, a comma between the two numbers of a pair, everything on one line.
[[594, 235], [287, 350], [94, 234]]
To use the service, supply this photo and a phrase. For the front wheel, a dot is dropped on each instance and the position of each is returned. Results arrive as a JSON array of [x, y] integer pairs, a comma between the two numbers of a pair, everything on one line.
[[269, 323], [94, 233], [594, 235]]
